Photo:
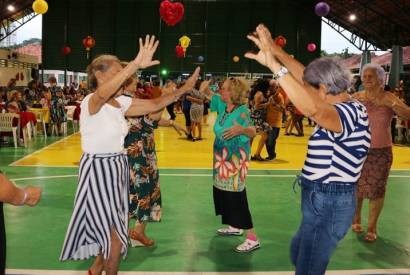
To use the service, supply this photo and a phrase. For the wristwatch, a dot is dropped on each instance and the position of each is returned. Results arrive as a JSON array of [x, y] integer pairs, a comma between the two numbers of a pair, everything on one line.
[[282, 71]]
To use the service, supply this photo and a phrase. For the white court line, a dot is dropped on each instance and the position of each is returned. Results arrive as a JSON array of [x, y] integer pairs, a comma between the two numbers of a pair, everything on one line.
[[338, 272], [183, 175], [40, 150]]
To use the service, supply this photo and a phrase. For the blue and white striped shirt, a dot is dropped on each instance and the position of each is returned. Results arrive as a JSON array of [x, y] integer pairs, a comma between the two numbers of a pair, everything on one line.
[[339, 157]]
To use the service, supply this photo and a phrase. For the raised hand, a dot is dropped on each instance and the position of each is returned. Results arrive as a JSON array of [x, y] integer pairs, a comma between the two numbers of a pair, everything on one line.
[[263, 40], [146, 52], [204, 87], [190, 82]]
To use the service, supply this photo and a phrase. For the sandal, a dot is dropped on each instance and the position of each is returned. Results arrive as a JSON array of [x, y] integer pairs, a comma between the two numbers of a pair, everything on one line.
[[357, 228], [248, 246], [370, 237], [139, 240], [230, 231]]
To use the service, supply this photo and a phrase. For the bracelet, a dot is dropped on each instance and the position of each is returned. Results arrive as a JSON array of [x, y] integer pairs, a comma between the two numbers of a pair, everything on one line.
[[25, 197], [282, 71]]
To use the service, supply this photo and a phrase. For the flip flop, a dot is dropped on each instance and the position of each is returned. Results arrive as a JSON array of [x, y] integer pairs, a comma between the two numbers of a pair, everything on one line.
[[370, 237], [357, 228]]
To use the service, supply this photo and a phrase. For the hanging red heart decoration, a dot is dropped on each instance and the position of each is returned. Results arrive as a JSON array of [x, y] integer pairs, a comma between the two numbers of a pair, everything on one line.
[[171, 13], [179, 51]]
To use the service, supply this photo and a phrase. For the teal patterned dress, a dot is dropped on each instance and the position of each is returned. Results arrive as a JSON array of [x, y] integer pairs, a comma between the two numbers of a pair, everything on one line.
[[145, 194], [231, 157]]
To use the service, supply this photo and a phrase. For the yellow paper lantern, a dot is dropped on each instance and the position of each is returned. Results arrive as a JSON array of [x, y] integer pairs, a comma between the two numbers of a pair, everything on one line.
[[235, 59], [40, 6], [184, 41]]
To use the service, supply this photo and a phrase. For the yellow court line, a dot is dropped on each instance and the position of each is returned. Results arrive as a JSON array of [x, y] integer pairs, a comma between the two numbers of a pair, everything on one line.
[[175, 152]]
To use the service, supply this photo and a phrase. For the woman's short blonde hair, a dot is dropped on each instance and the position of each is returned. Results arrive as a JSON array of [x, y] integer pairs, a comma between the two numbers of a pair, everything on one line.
[[239, 90], [101, 63]]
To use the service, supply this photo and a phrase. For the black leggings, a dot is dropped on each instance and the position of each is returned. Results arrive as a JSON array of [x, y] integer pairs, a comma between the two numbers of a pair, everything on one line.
[[187, 114], [2, 242]]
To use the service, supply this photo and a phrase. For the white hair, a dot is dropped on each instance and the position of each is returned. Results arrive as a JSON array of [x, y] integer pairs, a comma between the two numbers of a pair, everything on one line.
[[380, 73], [330, 72]]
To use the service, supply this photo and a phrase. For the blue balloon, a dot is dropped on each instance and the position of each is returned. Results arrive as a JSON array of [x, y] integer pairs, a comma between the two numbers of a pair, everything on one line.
[[201, 58]]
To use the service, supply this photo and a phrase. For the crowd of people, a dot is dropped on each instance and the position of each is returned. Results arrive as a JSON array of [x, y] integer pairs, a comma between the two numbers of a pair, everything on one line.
[[348, 160]]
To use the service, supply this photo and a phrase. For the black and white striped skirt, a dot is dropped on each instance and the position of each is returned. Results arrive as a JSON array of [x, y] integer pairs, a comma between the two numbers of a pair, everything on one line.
[[101, 204]]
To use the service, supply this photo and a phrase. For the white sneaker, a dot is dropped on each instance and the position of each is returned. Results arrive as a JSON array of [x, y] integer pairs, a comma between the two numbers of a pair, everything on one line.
[[230, 231], [248, 246]]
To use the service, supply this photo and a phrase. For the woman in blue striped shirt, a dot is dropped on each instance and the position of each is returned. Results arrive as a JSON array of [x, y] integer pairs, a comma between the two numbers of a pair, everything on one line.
[[337, 149]]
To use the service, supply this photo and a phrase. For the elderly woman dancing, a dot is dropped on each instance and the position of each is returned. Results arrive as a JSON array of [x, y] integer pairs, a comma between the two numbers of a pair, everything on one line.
[[337, 149], [99, 223], [381, 106]]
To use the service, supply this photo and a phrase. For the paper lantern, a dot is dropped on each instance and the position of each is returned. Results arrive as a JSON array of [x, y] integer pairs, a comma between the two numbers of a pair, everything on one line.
[[201, 58], [179, 51], [311, 47], [171, 13], [88, 43], [40, 6], [184, 41], [66, 50], [18, 76], [280, 41], [322, 9], [236, 59]]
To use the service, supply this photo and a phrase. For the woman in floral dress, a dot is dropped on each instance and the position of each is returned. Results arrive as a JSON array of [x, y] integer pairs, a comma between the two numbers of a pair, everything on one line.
[[145, 194], [233, 130]]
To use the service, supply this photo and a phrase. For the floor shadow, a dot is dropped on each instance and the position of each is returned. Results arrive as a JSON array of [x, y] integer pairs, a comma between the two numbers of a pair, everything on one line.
[[221, 252], [384, 253]]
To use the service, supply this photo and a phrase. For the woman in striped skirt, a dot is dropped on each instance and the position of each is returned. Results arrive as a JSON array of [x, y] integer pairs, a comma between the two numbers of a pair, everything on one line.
[[99, 223]]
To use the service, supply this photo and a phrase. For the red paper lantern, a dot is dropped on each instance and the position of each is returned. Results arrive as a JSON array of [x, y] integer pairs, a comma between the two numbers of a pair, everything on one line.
[[66, 50], [179, 51], [171, 13], [280, 41], [88, 43]]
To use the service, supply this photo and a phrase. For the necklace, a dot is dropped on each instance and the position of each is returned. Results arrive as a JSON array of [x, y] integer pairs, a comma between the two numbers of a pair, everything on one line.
[[226, 114]]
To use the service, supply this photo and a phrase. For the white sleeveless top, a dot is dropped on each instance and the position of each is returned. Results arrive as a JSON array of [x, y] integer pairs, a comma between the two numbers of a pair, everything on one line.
[[104, 132]]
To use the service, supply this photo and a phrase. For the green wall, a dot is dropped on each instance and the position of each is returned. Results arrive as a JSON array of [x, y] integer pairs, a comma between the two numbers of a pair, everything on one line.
[[217, 29]]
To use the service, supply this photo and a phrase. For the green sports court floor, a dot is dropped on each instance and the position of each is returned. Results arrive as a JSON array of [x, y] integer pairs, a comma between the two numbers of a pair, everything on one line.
[[185, 238]]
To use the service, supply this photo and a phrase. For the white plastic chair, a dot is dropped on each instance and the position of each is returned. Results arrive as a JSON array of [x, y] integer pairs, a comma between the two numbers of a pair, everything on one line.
[[6, 125]]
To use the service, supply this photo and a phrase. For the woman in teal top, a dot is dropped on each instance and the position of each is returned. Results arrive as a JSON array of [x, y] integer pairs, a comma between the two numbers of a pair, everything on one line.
[[233, 130]]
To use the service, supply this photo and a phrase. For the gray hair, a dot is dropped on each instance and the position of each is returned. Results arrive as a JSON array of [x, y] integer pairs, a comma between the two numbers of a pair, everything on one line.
[[330, 72], [380, 73]]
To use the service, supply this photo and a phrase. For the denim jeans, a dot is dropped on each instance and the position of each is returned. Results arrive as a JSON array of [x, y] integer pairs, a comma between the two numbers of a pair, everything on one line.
[[328, 211], [270, 143]]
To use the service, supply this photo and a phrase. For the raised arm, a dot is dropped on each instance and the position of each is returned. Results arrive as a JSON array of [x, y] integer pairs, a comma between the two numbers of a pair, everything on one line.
[[303, 96], [398, 106], [143, 60], [145, 106]]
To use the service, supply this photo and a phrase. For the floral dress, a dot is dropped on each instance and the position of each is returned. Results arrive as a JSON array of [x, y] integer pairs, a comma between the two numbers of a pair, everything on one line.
[[145, 194], [231, 157], [57, 111]]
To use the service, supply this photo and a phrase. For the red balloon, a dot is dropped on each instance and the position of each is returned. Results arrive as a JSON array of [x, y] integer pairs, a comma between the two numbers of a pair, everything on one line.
[[88, 42], [66, 50], [171, 13], [311, 47], [280, 41], [179, 51]]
